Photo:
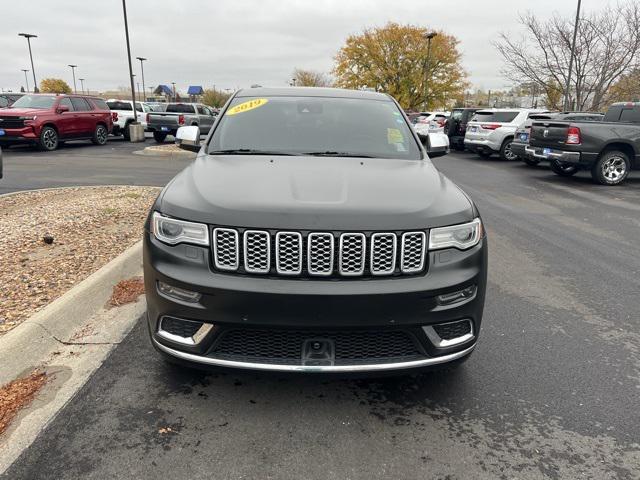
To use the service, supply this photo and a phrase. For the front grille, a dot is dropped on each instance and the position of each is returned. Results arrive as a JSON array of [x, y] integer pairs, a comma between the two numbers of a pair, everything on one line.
[[449, 331], [11, 122], [179, 327], [285, 346], [319, 254]]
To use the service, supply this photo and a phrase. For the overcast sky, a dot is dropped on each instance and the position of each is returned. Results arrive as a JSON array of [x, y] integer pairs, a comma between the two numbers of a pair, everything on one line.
[[233, 43]]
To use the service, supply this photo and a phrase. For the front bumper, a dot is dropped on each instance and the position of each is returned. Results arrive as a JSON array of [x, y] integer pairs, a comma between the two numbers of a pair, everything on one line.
[[250, 303], [560, 156], [19, 135]]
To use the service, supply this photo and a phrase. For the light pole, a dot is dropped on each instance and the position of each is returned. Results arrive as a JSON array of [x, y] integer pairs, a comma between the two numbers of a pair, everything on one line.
[[25, 78], [138, 85], [142, 59], [133, 90], [429, 36], [174, 90], [29, 36], [82, 84], [73, 70], [573, 51]]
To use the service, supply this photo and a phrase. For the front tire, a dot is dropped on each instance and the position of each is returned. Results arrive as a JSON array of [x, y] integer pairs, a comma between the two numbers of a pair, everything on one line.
[[159, 137], [49, 139], [563, 170], [100, 135], [611, 168]]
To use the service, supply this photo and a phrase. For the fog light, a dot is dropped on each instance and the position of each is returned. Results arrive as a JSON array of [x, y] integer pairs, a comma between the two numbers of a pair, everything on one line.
[[176, 293], [459, 296]]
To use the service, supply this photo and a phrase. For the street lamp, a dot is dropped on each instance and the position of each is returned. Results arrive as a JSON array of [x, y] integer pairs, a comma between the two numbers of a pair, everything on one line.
[[133, 90], [82, 83], [142, 59], [29, 36], [25, 78], [174, 90], [573, 51], [429, 36], [73, 70]]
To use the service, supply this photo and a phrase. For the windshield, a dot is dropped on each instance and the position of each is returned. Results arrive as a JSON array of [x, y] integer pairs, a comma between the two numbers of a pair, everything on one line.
[[35, 101], [315, 125]]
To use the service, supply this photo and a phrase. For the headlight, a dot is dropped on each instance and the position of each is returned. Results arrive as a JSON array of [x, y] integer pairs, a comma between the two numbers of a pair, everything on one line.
[[462, 236], [174, 231], [32, 117]]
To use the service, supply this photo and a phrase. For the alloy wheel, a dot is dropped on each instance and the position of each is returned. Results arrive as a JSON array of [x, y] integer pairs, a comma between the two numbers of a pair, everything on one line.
[[101, 134], [50, 139], [614, 169], [508, 153]]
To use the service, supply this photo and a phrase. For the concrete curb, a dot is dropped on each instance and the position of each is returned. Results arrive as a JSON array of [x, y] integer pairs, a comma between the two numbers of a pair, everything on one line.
[[18, 192], [151, 152], [31, 343]]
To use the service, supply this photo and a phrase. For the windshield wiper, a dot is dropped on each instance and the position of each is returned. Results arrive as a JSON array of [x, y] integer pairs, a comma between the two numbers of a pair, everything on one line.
[[248, 151], [338, 154]]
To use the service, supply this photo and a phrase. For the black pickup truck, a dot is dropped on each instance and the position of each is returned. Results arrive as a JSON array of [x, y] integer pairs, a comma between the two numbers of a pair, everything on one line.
[[609, 149]]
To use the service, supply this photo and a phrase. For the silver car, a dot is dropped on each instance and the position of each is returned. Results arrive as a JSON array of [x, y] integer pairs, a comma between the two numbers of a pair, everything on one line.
[[492, 130]]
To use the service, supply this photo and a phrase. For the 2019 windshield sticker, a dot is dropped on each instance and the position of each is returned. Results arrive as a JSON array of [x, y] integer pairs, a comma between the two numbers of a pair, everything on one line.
[[246, 106]]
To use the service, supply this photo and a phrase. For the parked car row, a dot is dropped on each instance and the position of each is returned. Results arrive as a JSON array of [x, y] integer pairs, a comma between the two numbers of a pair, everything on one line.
[[48, 120], [607, 145]]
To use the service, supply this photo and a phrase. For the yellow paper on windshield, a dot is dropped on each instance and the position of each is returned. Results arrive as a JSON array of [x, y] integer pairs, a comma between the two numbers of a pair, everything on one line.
[[394, 136], [246, 106]]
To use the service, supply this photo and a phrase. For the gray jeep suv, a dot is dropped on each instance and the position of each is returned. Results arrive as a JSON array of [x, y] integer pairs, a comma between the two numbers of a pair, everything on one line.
[[313, 234]]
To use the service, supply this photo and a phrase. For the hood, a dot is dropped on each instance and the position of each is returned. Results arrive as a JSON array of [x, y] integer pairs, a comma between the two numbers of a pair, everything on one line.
[[22, 112], [320, 193]]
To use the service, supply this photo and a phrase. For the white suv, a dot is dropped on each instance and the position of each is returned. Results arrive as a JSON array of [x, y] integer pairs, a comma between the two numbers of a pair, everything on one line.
[[491, 130]]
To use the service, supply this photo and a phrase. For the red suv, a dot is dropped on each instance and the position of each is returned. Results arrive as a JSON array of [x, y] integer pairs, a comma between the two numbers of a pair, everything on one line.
[[48, 120]]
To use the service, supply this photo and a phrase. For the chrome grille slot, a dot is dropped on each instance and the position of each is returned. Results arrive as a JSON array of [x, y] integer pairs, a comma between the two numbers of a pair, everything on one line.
[[353, 249], [383, 253], [257, 251], [320, 253], [289, 253], [225, 249], [413, 252]]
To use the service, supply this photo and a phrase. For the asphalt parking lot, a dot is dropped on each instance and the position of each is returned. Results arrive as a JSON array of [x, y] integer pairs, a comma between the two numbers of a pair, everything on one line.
[[82, 163], [550, 392]]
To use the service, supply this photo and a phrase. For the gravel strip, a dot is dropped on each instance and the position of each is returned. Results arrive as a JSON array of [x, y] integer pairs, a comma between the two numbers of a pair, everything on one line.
[[50, 240]]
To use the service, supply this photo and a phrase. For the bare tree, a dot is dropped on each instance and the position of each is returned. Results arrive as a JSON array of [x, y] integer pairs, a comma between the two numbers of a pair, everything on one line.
[[607, 47], [311, 78]]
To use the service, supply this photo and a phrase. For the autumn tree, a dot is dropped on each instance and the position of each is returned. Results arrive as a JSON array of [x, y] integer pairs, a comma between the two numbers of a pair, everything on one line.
[[393, 59], [311, 78], [626, 89], [215, 98], [54, 85], [607, 47]]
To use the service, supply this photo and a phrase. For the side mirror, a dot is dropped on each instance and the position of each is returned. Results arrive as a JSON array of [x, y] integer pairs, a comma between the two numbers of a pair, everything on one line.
[[62, 108], [188, 138]]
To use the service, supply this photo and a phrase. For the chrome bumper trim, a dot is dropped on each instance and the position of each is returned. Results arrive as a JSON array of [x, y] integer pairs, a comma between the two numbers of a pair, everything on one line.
[[441, 343], [378, 367], [562, 156]]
